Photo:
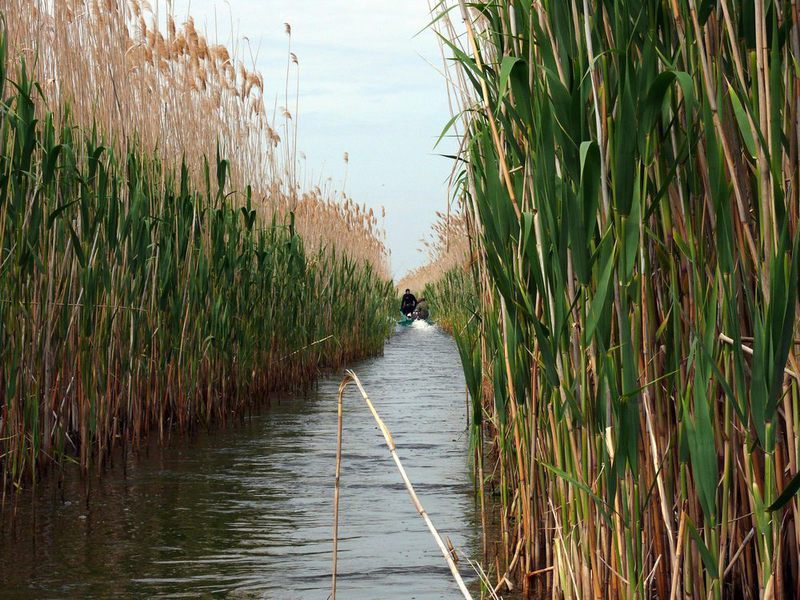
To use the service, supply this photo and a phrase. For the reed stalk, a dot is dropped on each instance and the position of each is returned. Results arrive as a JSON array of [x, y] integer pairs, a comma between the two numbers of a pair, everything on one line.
[[629, 185]]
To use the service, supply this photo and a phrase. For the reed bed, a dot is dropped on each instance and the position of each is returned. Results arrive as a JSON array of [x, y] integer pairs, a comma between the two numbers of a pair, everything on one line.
[[107, 65], [444, 278], [146, 285], [630, 180], [446, 248]]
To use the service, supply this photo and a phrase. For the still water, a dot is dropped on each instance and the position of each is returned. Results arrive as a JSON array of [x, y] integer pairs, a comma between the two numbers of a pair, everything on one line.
[[247, 512]]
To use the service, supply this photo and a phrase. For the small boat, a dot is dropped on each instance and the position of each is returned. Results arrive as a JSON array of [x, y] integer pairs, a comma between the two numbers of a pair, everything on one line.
[[406, 320]]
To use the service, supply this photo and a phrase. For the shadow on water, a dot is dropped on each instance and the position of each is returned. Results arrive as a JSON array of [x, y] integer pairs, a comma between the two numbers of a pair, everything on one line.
[[247, 512]]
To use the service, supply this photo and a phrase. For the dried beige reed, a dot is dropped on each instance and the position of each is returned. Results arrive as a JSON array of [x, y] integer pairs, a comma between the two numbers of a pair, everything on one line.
[[115, 70], [447, 248]]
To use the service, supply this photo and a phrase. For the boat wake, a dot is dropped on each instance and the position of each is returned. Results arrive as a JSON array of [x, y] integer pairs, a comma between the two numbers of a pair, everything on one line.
[[419, 324]]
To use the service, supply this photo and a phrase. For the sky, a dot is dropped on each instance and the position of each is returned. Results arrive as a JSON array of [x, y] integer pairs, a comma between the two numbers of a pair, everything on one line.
[[369, 86]]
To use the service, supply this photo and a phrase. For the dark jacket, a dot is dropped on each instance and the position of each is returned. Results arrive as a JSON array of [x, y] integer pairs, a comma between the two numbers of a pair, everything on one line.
[[408, 304]]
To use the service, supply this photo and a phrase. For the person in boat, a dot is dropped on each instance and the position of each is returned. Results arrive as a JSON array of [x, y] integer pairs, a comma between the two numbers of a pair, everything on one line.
[[408, 303], [422, 309]]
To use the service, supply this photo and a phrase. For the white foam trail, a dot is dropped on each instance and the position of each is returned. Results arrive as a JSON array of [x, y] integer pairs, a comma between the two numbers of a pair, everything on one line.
[[422, 325]]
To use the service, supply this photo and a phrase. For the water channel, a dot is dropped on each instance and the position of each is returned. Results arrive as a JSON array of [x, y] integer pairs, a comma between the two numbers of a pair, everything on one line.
[[246, 512]]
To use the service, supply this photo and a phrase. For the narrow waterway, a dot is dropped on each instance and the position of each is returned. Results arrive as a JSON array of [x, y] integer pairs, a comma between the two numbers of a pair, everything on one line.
[[247, 512]]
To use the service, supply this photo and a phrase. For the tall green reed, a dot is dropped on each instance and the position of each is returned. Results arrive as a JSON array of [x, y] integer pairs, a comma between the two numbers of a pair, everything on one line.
[[631, 176], [135, 299]]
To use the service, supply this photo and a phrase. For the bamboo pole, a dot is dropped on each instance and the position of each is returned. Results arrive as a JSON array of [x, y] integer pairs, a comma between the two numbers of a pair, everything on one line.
[[351, 377]]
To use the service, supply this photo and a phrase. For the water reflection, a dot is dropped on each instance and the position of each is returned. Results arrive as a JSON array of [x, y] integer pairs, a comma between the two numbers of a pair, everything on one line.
[[246, 512]]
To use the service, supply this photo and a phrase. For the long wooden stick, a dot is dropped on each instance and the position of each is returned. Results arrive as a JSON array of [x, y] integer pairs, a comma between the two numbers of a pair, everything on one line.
[[351, 377]]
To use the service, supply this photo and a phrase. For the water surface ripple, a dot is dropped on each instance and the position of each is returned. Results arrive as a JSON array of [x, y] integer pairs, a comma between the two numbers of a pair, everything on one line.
[[247, 512]]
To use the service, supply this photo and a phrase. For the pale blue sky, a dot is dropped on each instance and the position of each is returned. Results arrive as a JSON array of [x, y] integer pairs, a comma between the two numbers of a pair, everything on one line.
[[365, 89]]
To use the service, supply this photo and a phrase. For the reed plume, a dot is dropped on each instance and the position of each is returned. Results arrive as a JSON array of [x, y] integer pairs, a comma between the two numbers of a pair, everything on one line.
[[152, 273]]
